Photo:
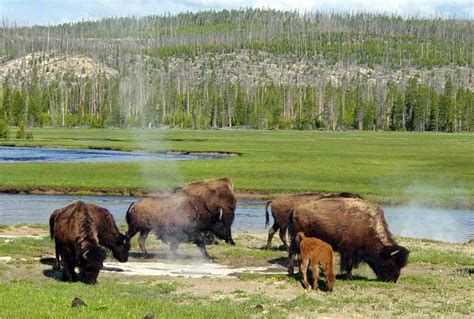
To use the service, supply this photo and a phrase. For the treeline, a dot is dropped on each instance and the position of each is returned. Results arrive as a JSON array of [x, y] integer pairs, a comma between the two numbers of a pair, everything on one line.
[[363, 38], [142, 102], [252, 68]]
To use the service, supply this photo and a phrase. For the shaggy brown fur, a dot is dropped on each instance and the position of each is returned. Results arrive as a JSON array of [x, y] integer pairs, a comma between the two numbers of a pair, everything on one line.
[[76, 242], [108, 233], [281, 210], [355, 228], [317, 253], [218, 194], [174, 218]]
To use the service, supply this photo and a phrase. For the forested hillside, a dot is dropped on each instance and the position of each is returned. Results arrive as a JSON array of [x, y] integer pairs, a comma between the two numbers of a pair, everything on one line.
[[251, 68]]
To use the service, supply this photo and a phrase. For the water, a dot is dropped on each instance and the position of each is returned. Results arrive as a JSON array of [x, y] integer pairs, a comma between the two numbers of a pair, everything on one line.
[[32, 154], [456, 226]]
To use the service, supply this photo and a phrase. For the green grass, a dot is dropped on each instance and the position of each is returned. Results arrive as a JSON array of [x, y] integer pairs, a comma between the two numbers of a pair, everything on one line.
[[430, 168], [28, 298], [432, 288]]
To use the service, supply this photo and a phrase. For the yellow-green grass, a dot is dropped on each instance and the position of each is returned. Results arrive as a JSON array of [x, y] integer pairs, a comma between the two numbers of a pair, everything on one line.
[[432, 168]]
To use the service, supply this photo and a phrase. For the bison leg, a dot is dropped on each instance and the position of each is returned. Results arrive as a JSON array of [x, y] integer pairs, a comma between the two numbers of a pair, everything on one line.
[[230, 241], [174, 248], [315, 269], [57, 264], [69, 264], [346, 263], [304, 271], [203, 250], [141, 242], [283, 238], [330, 277], [271, 233], [291, 256]]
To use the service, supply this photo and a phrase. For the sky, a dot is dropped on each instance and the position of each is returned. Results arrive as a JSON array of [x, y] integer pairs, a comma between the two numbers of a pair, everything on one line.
[[44, 12]]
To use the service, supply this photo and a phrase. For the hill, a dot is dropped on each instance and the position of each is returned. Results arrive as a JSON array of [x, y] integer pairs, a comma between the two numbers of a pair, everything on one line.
[[247, 68]]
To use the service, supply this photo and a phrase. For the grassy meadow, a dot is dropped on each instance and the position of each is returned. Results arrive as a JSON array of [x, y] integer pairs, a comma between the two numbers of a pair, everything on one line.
[[436, 283], [427, 168]]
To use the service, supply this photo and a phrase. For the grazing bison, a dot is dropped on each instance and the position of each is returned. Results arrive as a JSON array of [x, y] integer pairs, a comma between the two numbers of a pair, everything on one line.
[[76, 242], [355, 228], [175, 218], [218, 194], [108, 233], [317, 253], [281, 209]]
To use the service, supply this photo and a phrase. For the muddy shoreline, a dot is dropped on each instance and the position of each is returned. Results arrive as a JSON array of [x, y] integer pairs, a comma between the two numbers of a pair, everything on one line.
[[125, 192], [141, 192]]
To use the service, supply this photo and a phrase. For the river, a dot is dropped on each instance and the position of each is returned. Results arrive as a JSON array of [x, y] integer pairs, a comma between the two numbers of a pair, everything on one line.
[[455, 226]]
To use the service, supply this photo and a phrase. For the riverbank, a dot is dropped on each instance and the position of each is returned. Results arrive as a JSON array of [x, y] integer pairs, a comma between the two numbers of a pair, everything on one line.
[[430, 285], [431, 169]]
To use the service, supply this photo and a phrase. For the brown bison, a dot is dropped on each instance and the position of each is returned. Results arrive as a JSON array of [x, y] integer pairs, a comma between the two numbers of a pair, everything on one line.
[[355, 228], [219, 196], [174, 219], [77, 243], [281, 209], [108, 233], [317, 253]]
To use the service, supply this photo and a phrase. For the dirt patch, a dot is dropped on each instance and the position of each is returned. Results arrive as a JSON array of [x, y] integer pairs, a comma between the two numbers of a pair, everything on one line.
[[197, 269], [23, 231]]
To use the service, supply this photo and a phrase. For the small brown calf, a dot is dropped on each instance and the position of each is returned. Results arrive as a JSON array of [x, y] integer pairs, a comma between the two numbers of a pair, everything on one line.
[[316, 252]]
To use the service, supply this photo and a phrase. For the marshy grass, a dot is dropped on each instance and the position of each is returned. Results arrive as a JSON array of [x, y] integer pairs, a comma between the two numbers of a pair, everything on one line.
[[431, 168]]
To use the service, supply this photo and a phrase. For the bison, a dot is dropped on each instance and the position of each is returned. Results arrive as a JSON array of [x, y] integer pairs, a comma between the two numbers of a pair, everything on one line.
[[355, 228], [317, 253], [175, 218], [76, 241], [109, 235], [281, 209], [219, 196]]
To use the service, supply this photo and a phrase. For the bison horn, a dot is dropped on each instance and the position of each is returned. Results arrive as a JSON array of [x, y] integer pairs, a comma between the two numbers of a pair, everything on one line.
[[84, 255], [395, 252], [220, 214]]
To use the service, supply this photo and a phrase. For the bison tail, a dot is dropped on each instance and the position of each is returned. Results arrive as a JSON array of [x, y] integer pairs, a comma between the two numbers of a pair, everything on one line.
[[127, 215], [51, 225], [267, 214], [301, 236]]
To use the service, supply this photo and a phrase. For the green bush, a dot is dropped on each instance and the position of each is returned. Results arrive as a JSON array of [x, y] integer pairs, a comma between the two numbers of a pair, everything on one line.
[[21, 132], [4, 129]]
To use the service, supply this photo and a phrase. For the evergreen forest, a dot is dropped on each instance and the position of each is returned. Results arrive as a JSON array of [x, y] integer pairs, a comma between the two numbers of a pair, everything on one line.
[[249, 68]]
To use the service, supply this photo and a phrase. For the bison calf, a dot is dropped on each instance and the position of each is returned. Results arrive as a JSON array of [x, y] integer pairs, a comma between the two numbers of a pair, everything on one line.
[[317, 253]]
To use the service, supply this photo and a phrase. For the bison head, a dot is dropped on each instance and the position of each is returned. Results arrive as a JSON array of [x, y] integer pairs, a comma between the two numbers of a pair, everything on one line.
[[222, 227], [392, 259], [91, 264], [121, 248]]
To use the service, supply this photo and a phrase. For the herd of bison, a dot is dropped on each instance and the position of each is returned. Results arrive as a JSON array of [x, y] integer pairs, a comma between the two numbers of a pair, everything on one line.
[[201, 211]]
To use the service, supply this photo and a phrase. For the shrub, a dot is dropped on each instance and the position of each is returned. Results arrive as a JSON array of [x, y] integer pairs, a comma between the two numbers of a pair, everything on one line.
[[21, 132], [4, 129]]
